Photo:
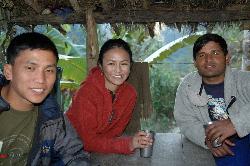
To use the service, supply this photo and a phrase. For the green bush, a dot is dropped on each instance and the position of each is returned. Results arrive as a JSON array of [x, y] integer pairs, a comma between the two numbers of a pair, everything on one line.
[[163, 85]]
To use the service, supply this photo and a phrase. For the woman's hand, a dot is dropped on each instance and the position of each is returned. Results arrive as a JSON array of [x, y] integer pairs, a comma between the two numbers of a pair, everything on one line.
[[141, 140]]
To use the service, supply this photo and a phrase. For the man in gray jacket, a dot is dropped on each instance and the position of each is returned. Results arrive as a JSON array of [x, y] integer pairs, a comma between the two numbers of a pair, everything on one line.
[[219, 96]]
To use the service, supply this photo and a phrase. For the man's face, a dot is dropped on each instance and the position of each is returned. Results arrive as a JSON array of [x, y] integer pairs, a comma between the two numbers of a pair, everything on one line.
[[32, 76], [116, 67], [211, 63]]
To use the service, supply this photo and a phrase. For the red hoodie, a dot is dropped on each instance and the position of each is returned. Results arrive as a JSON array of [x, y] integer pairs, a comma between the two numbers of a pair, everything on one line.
[[91, 114]]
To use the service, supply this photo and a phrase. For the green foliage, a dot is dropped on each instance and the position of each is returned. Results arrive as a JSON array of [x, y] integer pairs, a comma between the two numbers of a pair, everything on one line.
[[183, 43], [2, 37], [158, 124], [164, 83], [234, 37], [71, 60], [2, 48], [142, 45], [63, 44], [74, 71], [163, 86], [66, 98], [66, 27], [147, 47]]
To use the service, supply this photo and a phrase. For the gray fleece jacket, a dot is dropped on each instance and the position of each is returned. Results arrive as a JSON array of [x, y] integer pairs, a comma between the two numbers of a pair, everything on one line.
[[191, 111]]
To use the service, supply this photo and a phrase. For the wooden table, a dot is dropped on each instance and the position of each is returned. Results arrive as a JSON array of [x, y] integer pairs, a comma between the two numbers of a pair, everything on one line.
[[170, 149]]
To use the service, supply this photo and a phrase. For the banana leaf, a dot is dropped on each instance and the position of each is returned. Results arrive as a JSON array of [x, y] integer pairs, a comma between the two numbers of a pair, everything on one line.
[[172, 47], [74, 71]]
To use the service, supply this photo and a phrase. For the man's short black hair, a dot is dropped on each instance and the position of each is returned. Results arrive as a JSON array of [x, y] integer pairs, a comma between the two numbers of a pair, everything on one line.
[[204, 39], [29, 40]]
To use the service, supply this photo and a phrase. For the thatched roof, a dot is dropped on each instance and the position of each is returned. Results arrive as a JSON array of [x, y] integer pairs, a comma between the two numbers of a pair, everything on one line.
[[35, 12]]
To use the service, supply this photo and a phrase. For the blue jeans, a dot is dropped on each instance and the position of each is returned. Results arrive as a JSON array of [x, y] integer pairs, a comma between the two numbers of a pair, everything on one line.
[[241, 152]]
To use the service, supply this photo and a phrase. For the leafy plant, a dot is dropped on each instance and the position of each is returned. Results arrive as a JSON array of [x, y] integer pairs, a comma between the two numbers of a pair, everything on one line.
[[74, 71], [171, 47], [142, 45], [72, 60], [2, 48], [163, 85], [63, 43], [234, 37]]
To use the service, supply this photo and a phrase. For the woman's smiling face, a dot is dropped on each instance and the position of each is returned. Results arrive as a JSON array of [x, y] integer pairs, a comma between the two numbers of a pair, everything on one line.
[[116, 67]]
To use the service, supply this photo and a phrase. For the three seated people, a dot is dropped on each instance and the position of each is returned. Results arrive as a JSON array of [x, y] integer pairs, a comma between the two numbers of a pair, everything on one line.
[[33, 130]]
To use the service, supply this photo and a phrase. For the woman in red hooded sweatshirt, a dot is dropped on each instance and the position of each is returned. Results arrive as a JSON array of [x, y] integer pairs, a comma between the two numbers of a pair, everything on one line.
[[102, 107]]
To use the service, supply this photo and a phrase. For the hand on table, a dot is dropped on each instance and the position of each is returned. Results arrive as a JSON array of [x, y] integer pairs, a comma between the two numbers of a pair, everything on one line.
[[141, 140]]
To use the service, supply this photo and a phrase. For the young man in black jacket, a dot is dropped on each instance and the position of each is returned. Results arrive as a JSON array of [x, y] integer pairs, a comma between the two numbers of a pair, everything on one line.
[[33, 131]]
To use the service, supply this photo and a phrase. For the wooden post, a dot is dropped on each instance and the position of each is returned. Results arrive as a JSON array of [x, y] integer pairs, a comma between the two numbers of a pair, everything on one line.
[[246, 51], [139, 78], [92, 40]]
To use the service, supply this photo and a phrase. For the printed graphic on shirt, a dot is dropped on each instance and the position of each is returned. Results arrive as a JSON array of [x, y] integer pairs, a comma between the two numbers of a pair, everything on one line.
[[217, 108], [15, 146]]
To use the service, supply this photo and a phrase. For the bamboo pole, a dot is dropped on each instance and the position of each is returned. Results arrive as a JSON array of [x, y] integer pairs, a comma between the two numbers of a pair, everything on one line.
[[92, 40]]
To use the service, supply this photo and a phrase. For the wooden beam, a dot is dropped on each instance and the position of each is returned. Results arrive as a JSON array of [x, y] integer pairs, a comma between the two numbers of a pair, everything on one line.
[[92, 40], [140, 16], [144, 16]]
